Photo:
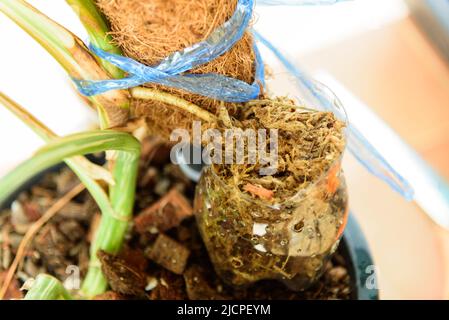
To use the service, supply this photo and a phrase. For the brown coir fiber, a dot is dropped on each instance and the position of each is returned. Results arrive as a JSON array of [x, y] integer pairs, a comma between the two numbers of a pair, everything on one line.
[[150, 30]]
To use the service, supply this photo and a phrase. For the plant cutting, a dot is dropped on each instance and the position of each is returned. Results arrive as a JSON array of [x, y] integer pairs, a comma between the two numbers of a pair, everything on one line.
[[283, 226]]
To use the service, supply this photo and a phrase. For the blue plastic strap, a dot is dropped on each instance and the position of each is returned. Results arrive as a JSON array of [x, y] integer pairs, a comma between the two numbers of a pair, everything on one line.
[[297, 2], [358, 145], [170, 71]]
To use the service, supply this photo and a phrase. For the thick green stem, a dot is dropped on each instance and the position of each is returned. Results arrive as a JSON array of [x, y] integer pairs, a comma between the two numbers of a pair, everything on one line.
[[113, 228], [73, 55], [116, 211], [98, 31], [46, 287]]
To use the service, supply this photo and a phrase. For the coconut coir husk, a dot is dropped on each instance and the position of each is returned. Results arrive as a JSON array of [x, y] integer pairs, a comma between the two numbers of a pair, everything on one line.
[[150, 30]]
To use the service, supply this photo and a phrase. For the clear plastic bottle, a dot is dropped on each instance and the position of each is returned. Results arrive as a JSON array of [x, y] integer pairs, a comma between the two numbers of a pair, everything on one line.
[[249, 240]]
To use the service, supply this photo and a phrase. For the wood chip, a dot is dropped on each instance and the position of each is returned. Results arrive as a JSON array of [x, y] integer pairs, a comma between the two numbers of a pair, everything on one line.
[[32, 211], [165, 214], [135, 258], [261, 192], [13, 290], [169, 254], [170, 287], [155, 151], [122, 277], [197, 286], [110, 295]]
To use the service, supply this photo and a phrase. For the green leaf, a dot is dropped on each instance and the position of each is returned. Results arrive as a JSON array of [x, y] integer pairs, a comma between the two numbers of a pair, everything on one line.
[[72, 55], [46, 287]]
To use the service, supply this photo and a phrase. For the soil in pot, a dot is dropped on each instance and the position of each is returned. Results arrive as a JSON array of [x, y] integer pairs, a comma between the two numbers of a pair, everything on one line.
[[164, 256]]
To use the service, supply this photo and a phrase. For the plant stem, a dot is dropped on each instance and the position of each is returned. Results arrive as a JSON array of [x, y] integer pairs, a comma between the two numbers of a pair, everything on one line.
[[72, 55], [66, 147], [46, 287], [116, 211], [113, 228], [156, 95], [98, 30]]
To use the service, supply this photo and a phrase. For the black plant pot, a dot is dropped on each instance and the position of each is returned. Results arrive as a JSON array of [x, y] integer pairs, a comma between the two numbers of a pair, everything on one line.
[[354, 247], [356, 251]]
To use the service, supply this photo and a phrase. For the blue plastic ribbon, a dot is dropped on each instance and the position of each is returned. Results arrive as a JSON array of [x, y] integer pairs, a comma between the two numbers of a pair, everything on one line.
[[297, 2], [171, 71], [358, 145]]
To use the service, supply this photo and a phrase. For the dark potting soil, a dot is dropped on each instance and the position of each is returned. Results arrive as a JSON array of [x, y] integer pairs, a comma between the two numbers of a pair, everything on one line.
[[164, 256]]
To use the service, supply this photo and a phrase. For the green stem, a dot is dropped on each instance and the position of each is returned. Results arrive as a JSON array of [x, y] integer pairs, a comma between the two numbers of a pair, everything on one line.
[[98, 31], [46, 287], [66, 147], [72, 55], [113, 228], [116, 211]]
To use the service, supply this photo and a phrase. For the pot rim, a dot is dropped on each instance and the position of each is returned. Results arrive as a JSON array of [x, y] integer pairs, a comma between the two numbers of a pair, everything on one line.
[[361, 265]]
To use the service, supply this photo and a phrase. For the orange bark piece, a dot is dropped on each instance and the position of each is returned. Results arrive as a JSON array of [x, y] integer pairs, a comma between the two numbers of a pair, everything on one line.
[[261, 192], [13, 291], [333, 180], [165, 214], [342, 228], [170, 254], [110, 295]]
